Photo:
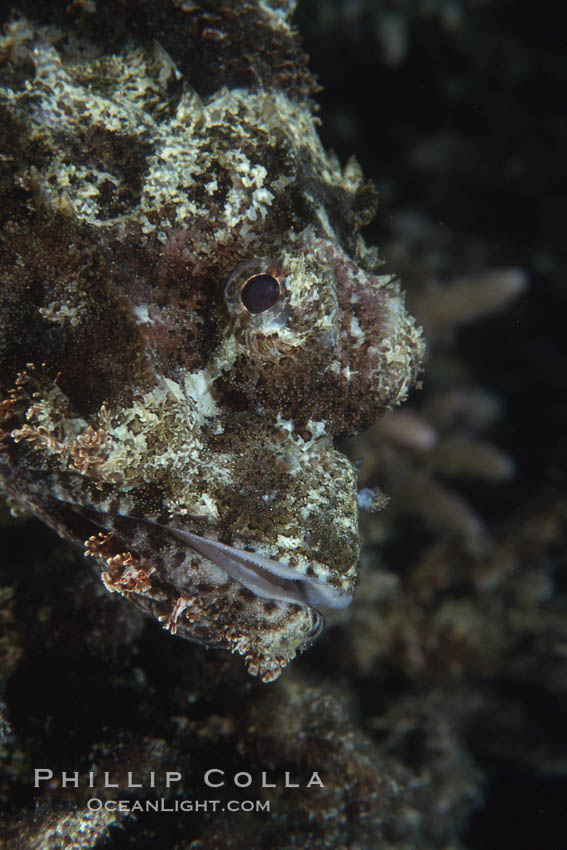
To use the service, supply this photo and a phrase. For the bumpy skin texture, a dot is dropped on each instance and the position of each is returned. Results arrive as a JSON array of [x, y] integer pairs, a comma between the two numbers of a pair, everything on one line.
[[139, 395]]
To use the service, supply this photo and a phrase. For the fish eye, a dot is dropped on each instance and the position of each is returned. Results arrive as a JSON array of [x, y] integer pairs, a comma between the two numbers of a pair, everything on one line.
[[260, 292], [256, 294]]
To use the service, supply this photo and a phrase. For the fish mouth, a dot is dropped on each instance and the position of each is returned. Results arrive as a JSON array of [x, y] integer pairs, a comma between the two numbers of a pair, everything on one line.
[[264, 577]]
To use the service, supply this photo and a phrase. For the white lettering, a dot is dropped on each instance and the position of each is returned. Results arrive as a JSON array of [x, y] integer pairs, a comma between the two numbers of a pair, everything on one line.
[[131, 783], [244, 783], [265, 783], [172, 776], [107, 782], [70, 779], [208, 775], [42, 774]]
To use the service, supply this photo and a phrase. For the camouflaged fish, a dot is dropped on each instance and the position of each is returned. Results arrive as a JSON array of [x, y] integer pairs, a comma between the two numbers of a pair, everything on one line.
[[189, 317]]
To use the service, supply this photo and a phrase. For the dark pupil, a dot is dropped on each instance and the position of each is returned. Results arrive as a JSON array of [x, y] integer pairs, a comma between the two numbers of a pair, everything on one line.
[[259, 293]]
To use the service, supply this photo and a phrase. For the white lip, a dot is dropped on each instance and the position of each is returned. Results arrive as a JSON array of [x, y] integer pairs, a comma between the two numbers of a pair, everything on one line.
[[264, 577]]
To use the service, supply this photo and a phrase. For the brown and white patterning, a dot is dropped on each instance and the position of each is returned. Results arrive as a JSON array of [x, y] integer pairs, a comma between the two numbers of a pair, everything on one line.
[[189, 317]]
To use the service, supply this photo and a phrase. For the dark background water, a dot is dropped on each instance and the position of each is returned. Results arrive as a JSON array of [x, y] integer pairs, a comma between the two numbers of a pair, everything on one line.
[[459, 114], [467, 126]]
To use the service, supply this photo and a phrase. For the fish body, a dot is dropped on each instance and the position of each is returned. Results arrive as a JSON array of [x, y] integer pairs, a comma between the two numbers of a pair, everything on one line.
[[190, 318]]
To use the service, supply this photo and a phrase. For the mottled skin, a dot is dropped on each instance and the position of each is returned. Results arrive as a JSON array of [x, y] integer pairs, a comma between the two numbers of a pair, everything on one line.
[[139, 396]]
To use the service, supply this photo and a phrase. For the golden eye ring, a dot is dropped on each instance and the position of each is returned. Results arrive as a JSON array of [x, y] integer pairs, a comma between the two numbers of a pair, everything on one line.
[[260, 292]]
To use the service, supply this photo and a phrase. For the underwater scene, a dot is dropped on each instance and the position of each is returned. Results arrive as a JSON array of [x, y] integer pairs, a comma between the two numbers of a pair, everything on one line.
[[282, 425]]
